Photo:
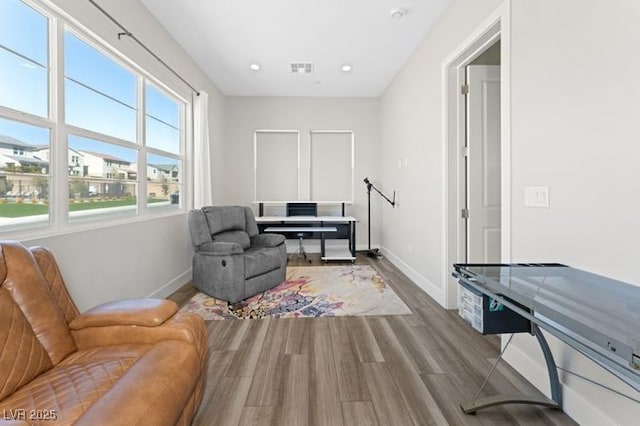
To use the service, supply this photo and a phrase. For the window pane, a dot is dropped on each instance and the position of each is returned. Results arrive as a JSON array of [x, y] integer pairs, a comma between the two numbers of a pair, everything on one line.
[[163, 137], [93, 111], [24, 175], [88, 66], [23, 30], [162, 107], [102, 180], [23, 85], [162, 121], [23, 58], [163, 181], [100, 95]]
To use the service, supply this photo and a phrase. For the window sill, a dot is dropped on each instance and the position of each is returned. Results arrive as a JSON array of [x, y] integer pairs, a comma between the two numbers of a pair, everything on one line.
[[37, 228]]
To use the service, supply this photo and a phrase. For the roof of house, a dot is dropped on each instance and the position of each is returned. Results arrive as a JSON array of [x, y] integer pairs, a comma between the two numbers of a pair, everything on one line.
[[10, 141], [28, 160], [105, 157], [164, 167]]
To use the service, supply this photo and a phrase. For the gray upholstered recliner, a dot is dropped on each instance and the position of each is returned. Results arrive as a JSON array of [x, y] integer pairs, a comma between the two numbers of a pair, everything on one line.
[[232, 261]]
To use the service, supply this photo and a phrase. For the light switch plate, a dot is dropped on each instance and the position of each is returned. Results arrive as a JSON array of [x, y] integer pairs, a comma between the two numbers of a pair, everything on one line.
[[536, 196]]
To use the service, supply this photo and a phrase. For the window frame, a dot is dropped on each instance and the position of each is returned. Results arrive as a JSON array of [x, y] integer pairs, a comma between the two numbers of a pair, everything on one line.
[[59, 219]]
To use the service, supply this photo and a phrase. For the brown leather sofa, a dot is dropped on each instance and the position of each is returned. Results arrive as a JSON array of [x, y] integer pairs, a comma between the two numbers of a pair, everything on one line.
[[130, 362]]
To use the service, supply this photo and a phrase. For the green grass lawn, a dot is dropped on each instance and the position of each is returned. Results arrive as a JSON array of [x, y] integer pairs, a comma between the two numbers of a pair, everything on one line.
[[28, 209]]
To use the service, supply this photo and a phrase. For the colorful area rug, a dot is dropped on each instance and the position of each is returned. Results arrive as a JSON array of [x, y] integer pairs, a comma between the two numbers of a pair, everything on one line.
[[311, 291]]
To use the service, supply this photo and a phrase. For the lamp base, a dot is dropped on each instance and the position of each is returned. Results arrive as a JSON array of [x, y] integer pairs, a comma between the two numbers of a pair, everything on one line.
[[374, 253]]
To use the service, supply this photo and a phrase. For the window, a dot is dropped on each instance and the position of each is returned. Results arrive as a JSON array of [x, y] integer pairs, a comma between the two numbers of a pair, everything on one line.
[[24, 59], [108, 184], [162, 120], [24, 181], [111, 171], [163, 186], [100, 95], [163, 126]]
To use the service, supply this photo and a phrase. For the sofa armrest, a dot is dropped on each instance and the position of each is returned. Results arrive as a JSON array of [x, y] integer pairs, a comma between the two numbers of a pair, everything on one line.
[[132, 312], [219, 249], [185, 326], [267, 240]]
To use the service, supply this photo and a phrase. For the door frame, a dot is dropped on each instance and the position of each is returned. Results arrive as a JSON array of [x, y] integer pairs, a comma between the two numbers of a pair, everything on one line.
[[496, 27]]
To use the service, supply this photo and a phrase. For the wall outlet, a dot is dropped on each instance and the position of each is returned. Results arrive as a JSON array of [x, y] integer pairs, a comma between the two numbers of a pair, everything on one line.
[[536, 196]]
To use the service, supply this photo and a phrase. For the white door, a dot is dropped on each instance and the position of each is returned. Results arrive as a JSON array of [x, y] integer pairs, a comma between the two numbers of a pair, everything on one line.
[[483, 164]]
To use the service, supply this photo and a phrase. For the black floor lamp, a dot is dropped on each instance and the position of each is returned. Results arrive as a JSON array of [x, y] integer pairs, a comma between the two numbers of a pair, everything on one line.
[[375, 252]]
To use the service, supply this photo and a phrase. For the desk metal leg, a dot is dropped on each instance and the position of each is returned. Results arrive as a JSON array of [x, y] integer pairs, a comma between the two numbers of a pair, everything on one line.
[[352, 238], [322, 242], [555, 402], [554, 382]]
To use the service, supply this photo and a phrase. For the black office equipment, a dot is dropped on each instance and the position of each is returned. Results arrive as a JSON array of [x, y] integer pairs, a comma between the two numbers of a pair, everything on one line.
[[487, 315], [595, 315], [302, 209]]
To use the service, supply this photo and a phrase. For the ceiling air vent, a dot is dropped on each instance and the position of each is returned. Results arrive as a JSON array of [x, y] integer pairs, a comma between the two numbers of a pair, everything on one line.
[[301, 67]]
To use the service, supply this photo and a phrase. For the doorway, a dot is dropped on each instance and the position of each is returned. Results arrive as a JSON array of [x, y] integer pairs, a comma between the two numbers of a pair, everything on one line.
[[480, 182], [468, 182]]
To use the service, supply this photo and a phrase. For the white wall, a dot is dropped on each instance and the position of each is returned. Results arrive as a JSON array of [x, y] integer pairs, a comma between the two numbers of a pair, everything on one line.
[[411, 130], [138, 259], [575, 100], [144, 257], [246, 114], [575, 104]]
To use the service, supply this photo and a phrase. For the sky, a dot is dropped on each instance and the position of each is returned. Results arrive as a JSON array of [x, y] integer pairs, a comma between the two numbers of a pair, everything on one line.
[[100, 95]]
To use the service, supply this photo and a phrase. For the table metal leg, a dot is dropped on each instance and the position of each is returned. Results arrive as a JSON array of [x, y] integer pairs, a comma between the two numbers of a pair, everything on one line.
[[321, 242], [352, 238], [556, 396]]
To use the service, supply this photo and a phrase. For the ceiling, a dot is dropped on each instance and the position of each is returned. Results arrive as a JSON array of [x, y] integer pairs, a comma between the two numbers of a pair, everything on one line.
[[226, 36]]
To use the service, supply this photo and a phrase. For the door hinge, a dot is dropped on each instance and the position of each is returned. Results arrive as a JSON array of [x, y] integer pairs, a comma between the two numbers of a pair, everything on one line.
[[464, 213], [464, 151], [464, 89]]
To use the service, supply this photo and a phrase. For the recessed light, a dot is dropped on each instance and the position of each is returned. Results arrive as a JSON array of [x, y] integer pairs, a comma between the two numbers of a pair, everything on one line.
[[397, 13], [254, 67], [346, 68]]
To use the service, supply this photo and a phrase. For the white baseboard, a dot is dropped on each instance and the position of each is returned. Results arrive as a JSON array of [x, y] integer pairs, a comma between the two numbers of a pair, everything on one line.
[[574, 405], [421, 281], [173, 285]]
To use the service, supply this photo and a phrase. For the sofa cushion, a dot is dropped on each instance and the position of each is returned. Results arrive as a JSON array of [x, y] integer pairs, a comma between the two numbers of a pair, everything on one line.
[[199, 228], [252, 226], [258, 261], [70, 389], [30, 291], [225, 218], [154, 391], [23, 357], [53, 277], [239, 237]]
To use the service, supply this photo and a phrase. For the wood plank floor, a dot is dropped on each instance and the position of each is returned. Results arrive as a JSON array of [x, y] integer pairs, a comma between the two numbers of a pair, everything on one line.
[[380, 370]]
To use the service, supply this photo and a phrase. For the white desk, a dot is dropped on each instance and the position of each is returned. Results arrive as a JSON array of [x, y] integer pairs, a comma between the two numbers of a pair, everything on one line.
[[318, 224]]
